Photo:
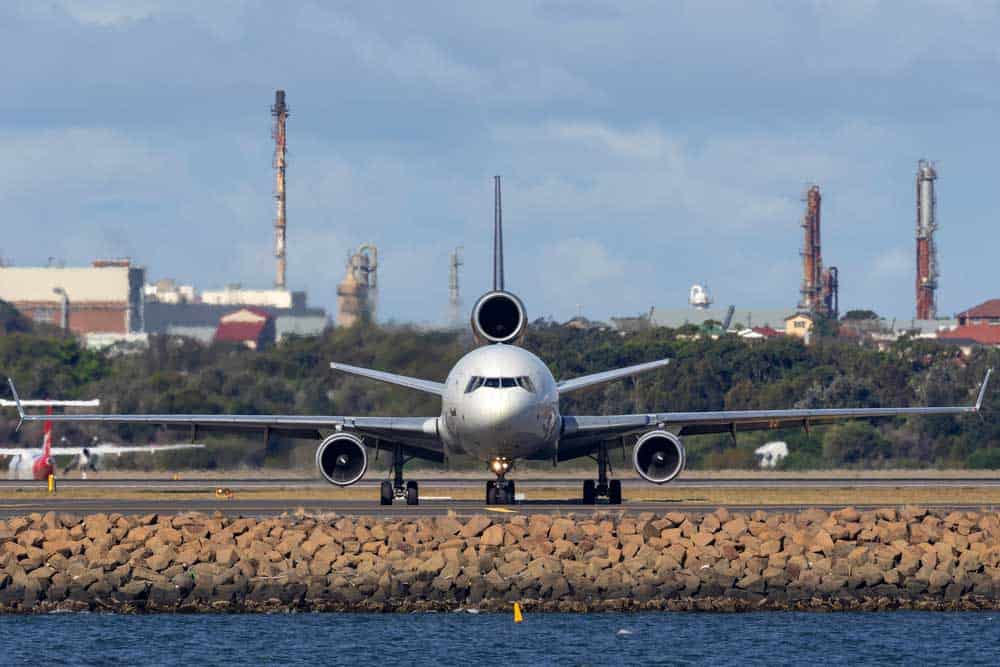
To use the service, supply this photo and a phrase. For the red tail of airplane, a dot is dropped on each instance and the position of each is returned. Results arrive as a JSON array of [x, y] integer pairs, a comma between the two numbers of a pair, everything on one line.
[[43, 464]]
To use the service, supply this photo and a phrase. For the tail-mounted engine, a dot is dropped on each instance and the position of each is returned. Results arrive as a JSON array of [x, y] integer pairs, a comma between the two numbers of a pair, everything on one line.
[[658, 456], [342, 459], [498, 317]]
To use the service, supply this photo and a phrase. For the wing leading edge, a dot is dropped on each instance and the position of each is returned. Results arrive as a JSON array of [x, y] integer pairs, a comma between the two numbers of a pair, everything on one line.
[[585, 428], [566, 386], [420, 434], [427, 386]]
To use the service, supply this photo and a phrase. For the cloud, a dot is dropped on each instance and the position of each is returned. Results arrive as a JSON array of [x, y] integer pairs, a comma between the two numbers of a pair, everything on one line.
[[648, 143], [677, 139]]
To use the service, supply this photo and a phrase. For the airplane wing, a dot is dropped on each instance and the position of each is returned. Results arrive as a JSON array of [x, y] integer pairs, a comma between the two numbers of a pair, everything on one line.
[[581, 433], [110, 448], [566, 386], [44, 403], [418, 435], [428, 386], [19, 451]]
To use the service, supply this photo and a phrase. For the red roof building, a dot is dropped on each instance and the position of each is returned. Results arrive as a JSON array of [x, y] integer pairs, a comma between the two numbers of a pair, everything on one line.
[[988, 312], [983, 334], [767, 332], [252, 327]]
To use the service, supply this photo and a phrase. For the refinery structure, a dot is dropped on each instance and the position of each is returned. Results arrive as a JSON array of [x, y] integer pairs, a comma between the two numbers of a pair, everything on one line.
[[357, 293], [820, 288]]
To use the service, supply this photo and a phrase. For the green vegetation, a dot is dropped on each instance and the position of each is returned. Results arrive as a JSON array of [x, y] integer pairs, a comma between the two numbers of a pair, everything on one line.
[[176, 375]]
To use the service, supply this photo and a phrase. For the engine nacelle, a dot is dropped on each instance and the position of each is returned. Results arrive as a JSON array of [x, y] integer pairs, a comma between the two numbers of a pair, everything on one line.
[[658, 456], [499, 317], [342, 459]]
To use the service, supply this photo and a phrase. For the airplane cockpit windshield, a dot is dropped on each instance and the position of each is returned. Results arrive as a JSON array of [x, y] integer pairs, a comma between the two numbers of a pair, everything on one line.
[[524, 382]]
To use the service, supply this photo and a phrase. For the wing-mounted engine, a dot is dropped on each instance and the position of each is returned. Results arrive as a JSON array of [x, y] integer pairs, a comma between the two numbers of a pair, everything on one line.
[[342, 459], [498, 317], [658, 456]]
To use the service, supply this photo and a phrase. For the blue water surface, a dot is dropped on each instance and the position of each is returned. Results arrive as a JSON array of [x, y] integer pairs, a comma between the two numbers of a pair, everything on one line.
[[893, 638]]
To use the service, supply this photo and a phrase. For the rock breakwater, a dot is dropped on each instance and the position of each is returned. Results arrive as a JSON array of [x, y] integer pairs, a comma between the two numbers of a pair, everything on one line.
[[724, 560]]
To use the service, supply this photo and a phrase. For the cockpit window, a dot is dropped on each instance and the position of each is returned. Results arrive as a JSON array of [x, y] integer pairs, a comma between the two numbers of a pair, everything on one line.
[[475, 382]]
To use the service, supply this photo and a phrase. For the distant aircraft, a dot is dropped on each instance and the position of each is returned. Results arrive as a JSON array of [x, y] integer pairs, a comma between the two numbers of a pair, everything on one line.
[[500, 404], [38, 464]]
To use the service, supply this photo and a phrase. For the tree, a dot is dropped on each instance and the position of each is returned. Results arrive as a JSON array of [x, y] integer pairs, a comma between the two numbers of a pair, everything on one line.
[[855, 315], [854, 443], [11, 319]]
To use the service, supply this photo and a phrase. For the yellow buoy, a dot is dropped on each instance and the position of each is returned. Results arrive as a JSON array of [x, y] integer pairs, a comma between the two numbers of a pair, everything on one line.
[[517, 613]]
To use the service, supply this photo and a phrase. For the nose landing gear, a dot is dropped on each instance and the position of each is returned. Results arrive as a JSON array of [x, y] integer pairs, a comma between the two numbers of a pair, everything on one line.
[[390, 491], [501, 490], [603, 488]]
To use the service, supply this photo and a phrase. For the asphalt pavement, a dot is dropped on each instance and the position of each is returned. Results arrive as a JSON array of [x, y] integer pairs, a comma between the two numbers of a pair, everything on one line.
[[245, 483]]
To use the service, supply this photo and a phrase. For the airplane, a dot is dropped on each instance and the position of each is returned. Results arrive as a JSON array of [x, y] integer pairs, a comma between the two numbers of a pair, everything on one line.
[[38, 464], [500, 404]]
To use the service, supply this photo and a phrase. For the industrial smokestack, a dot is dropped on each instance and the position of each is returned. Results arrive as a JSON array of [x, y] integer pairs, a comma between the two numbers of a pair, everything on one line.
[[280, 113], [927, 273]]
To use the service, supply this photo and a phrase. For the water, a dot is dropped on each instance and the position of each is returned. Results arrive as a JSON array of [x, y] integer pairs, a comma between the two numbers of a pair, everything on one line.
[[901, 638]]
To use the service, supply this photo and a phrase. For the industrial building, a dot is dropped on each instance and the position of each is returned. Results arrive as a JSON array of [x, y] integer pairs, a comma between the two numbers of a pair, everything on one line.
[[199, 320], [251, 327], [104, 298], [728, 318]]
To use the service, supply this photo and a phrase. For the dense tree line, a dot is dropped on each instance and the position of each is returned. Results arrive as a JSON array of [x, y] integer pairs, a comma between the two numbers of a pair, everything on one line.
[[178, 375]]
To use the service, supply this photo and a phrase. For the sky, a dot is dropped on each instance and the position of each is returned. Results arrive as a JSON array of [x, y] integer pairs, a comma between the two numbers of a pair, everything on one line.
[[644, 146]]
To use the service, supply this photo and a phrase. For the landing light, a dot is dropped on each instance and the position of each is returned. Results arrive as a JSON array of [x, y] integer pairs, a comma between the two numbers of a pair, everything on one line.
[[500, 465]]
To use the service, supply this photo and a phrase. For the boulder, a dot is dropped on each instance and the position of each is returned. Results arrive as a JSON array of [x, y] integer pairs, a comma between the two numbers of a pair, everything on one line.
[[492, 536], [475, 526]]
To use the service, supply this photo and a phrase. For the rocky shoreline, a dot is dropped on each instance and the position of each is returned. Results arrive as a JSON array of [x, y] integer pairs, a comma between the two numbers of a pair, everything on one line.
[[910, 558]]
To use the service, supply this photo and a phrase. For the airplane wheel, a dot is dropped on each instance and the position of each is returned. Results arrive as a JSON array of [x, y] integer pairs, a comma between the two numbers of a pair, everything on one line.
[[589, 495], [412, 493], [386, 493], [615, 492]]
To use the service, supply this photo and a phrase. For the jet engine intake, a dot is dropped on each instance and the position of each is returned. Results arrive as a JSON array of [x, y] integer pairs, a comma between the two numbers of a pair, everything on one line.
[[498, 317], [658, 456], [342, 459]]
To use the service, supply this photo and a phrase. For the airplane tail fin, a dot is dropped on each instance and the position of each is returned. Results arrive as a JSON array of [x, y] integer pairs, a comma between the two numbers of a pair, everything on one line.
[[497, 237], [47, 442]]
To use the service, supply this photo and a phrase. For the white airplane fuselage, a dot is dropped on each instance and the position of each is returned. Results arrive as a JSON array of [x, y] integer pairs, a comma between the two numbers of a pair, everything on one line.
[[20, 467], [510, 409]]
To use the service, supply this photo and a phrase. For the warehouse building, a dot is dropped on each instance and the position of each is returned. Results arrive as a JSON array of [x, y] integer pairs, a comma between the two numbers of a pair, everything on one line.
[[104, 298]]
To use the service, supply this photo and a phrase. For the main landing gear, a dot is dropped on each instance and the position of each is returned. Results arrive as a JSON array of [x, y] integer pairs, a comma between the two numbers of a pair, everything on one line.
[[603, 488], [501, 490], [397, 489]]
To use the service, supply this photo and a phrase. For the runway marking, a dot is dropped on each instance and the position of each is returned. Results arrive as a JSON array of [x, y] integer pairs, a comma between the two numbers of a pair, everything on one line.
[[500, 509]]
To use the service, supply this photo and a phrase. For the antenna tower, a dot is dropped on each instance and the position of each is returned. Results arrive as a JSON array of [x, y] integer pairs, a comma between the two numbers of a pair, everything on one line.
[[454, 298]]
